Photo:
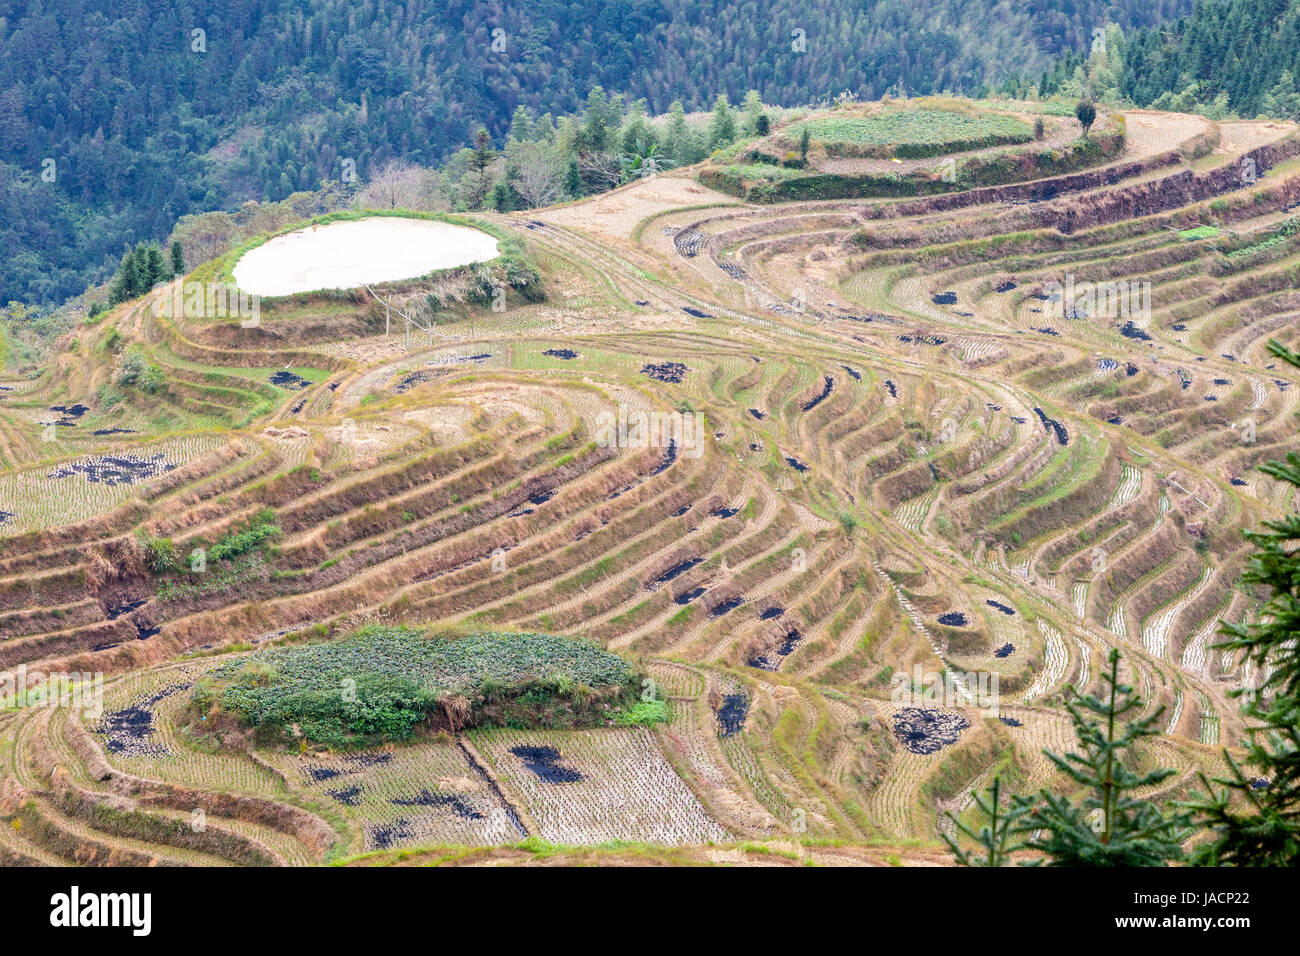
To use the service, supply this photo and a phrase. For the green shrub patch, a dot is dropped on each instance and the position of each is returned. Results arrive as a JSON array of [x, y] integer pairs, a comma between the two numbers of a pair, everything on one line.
[[383, 683]]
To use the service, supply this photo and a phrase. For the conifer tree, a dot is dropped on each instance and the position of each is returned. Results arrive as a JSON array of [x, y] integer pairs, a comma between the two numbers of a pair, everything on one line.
[[722, 124], [1111, 826], [997, 838], [1261, 827], [573, 178]]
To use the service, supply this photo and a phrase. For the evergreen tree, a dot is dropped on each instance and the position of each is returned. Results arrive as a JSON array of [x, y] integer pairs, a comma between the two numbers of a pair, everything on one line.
[[573, 178], [483, 151], [480, 159], [600, 119], [178, 258], [1261, 826], [751, 109], [1086, 114], [1111, 826], [155, 270], [125, 282], [521, 124], [997, 837], [501, 198], [638, 137], [682, 145], [722, 124], [1282, 101]]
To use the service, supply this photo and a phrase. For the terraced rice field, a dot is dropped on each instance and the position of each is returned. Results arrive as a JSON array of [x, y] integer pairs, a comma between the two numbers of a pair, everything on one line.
[[776, 503]]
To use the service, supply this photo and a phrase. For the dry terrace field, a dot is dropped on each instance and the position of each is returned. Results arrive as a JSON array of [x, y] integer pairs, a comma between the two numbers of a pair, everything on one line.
[[913, 458]]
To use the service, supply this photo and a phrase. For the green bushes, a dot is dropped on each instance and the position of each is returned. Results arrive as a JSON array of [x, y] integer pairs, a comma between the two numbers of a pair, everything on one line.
[[261, 529], [159, 553], [137, 372], [643, 713], [512, 270], [381, 683], [915, 133]]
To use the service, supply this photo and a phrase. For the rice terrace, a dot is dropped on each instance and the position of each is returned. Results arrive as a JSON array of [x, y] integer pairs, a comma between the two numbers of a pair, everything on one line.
[[760, 510]]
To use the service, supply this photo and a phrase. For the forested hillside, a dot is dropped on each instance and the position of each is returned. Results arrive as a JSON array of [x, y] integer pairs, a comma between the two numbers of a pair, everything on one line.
[[1227, 57], [141, 126]]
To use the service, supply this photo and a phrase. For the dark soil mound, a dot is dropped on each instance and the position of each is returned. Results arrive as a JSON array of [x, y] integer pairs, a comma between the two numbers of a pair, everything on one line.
[[726, 607], [116, 469], [686, 597], [927, 731], [732, 713], [288, 380], [671, 372], [545, 763], [70, 411], [349, 796], [412, 380], [677, 569], [1131, 331], [427, 799], [820, 397], [126, 608], [770, 662], [670, 456]]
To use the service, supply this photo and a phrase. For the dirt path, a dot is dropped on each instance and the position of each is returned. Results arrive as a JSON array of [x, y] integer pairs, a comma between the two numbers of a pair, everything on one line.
[[617, 213]]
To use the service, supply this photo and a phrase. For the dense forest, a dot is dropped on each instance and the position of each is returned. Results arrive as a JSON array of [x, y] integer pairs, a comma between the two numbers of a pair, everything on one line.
[[118, 118], [1226, 58]]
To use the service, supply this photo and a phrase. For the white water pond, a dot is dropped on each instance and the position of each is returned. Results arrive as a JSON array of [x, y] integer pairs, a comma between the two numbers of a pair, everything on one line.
[[352, 253]]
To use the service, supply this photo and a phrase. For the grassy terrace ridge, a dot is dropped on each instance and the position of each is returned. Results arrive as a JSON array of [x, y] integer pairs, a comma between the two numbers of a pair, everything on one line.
[[380, 682], [926, 147], [914, 133]]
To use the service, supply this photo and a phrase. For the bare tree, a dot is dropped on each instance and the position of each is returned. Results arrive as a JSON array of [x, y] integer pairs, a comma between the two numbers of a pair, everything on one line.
[[602, 170], [539, 179], [399, 184]]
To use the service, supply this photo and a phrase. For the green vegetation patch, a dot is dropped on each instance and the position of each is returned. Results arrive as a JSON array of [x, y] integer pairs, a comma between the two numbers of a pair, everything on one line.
[[383, 682], [920, 132], [1199, 232]]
